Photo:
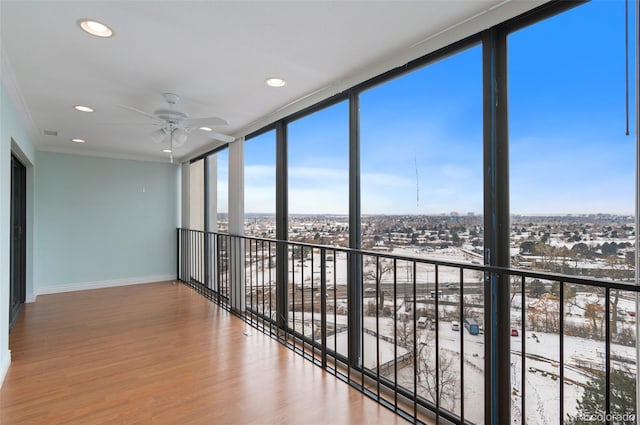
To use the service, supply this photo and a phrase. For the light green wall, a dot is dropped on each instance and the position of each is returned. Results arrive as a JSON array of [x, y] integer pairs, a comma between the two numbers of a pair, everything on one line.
[[12, 129], [102, 220]]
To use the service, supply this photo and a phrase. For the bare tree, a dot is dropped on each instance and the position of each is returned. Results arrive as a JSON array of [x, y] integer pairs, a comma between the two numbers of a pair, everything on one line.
[[446, 384], [543, 314], [618, 269], [595, 313], [516, 288], [375, 269], [404, 332]]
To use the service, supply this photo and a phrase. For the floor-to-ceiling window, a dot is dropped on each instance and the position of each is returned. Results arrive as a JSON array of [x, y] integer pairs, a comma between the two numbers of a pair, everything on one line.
[[422, 196], [318, 208], [572, 196], [260, 222]]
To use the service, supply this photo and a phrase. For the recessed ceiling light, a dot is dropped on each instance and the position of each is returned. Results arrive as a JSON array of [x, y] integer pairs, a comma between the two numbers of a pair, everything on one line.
[[78, 140], [95, 28], [166, 150], [275, 82], [82, 108], [205, 129]]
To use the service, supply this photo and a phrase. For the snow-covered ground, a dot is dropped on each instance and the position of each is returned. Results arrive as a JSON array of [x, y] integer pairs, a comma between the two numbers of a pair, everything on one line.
[[387, 350], [305, 272], [542, 390], [582, 356]]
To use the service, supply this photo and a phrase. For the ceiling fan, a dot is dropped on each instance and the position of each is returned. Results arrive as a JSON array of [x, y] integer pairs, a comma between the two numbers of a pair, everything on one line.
[[175, 125]]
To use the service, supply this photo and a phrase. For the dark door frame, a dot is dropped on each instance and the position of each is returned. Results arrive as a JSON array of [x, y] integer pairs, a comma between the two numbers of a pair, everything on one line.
[[18, 250]]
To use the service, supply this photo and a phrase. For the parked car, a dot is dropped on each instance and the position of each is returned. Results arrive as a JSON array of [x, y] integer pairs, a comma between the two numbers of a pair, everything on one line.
[[455, 325], [514, 332], [422, 322], [472, 326]]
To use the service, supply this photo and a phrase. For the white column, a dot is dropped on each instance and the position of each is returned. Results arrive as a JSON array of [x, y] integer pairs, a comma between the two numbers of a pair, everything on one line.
[[236, 187], [185, 191], [211, 163], [211, 218], [185, 208], [236, 224]]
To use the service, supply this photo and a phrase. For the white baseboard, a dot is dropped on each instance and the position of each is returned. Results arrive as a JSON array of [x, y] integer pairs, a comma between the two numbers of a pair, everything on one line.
[[101, 284], [5, 362]]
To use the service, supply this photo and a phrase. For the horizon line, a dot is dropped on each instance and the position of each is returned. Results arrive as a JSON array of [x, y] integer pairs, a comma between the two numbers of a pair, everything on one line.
[[452, 214]]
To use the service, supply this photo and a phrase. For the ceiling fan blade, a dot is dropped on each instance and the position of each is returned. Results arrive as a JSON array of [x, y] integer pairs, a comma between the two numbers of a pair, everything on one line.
[[138, 111], [199, 122], [128, 123], [222, 137]]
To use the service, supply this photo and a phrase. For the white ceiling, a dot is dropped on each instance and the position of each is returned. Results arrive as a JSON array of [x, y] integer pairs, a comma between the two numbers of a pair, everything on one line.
[[214, 54]]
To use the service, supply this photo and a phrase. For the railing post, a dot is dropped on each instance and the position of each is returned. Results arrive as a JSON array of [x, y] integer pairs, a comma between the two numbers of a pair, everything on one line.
[[323, 304], [496, 229], [189, 257], [207, 219], [218, 267], [178, 251]]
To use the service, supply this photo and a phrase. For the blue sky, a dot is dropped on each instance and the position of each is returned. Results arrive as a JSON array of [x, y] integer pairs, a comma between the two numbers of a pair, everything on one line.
[[421, 133], [569, 151]]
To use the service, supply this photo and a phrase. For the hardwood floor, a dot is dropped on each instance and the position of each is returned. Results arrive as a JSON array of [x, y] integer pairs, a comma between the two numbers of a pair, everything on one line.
[[160, 353]]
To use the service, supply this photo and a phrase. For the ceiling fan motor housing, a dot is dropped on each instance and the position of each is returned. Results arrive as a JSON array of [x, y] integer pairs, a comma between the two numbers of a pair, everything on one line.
[[170, 115]]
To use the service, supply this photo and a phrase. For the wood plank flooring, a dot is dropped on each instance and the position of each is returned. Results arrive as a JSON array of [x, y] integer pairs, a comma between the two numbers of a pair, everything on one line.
[[162, 354]]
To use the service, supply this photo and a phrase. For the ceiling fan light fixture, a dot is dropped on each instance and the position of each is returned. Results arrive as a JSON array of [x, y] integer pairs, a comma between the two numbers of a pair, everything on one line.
[[158, 136], [83, 108], [275, 82], [206, 129], [95, 28], [78, 140], [179, 137]]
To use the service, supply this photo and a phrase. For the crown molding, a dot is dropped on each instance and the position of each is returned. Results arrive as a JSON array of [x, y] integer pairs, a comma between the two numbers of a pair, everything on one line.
[[8, 78], [101, 154]]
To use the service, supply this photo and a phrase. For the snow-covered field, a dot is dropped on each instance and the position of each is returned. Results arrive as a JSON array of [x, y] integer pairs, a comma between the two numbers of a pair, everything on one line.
[[308, 270]]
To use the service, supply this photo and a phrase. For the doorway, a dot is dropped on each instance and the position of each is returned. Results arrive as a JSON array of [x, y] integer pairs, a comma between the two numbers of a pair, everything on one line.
[[18, 268]]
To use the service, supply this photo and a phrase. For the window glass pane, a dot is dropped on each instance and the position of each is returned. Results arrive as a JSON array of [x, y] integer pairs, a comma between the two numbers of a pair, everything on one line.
[[572, 169], [421, 161], [260, 185], [318, 158]]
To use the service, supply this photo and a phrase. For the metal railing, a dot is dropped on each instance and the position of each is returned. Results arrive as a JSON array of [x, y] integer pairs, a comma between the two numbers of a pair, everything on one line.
[[417, 330], [203, 263]]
